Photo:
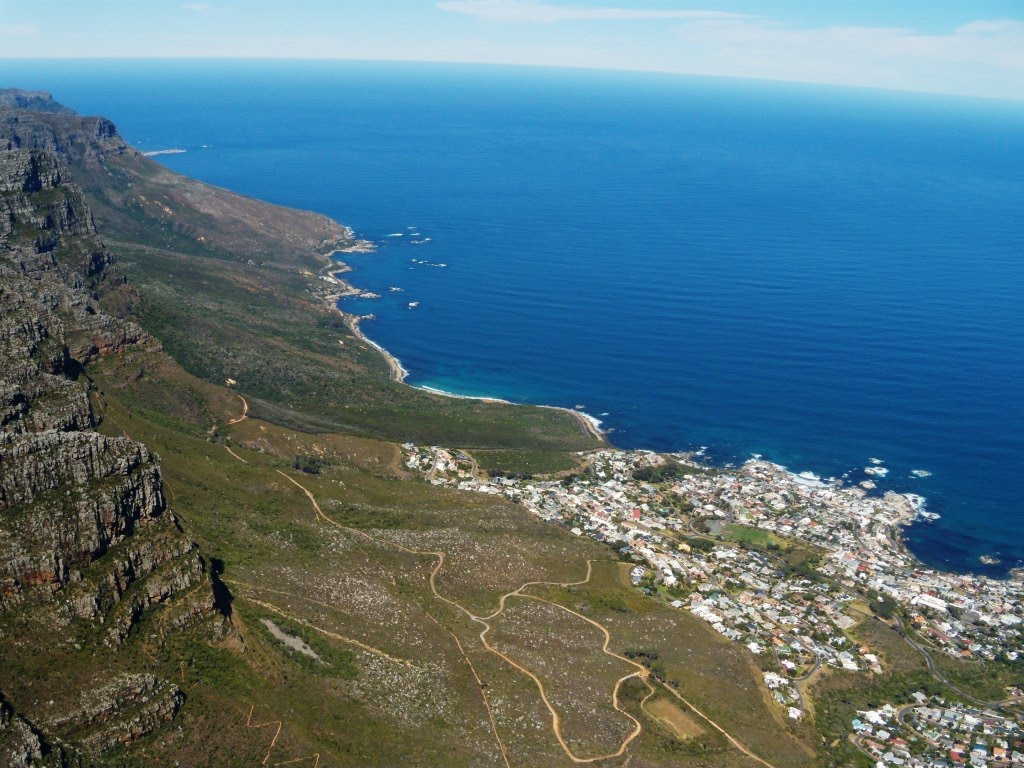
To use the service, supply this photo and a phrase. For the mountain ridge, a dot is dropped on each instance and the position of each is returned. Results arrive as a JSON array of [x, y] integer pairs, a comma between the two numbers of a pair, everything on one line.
[[88, 543], [217, 552]]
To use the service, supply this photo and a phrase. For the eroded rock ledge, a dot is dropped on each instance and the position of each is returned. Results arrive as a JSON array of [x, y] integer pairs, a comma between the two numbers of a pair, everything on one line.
[[86, 536]]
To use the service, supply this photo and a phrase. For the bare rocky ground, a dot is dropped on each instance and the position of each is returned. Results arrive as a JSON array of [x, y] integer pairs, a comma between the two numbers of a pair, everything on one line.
[[87, 541]]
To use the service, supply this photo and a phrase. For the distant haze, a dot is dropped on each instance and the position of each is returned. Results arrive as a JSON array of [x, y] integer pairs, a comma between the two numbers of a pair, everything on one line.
[[967, 47]]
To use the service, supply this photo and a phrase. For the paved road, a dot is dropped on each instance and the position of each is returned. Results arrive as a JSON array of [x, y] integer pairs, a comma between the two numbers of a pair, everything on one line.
[[930, 662]]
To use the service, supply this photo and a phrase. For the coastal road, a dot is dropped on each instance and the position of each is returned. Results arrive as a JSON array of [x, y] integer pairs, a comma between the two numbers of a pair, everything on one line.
[[928, 660], [465, 456], [815, 668], [858, 741], [930, 663], [901, 718], [587, 426]]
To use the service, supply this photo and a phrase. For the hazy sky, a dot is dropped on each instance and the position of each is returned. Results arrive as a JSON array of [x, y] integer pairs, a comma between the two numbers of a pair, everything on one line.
[[973, 47]]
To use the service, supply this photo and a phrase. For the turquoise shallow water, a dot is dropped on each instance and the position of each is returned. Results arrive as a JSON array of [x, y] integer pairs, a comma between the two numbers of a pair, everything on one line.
[[817, 275]]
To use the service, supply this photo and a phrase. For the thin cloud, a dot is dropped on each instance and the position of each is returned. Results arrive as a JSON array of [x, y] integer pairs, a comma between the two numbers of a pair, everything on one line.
[[534, 12], [985, 57], [197, 7], [19, 30]]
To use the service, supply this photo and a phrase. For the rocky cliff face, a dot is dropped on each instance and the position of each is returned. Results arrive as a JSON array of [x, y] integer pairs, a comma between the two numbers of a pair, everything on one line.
[[88, 546], [22, 745], [37, 101], [137, 199], [66, 134]]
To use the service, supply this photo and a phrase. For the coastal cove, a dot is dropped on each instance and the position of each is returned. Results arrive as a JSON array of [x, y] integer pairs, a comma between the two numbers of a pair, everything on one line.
[[332, 272], [818, 276]]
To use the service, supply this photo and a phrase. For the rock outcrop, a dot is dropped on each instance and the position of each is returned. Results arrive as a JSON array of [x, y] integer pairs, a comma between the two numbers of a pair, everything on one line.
[[86, 536], [120, 711], [37, 101], [23, 746], [66, 134]]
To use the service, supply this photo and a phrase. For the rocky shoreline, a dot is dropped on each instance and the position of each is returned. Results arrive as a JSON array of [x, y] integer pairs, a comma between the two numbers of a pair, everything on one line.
[[331, 272]]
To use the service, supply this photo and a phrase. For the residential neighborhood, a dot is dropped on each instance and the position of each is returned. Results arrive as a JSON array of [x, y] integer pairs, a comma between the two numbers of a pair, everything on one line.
[[783, 563], [934, 733]]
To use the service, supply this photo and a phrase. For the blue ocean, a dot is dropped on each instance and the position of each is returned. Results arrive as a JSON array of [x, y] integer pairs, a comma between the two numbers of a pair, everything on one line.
[[819, 275]]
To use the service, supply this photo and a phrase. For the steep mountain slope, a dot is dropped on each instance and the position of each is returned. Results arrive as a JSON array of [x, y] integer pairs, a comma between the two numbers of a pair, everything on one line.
[[36, 101], [89, 551], [229, 285], [185, 583]]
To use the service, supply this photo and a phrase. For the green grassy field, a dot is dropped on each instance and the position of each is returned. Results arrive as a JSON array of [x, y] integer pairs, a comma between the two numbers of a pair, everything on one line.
[[753, 537], [526, 462]]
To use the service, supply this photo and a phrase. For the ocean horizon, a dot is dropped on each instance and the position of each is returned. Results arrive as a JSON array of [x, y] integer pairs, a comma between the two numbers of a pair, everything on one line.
[[826, 277]]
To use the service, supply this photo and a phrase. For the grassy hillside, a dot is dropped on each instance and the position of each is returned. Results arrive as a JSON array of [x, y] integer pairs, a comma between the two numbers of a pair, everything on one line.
[[351, 577], [230, 286], [368, 617]]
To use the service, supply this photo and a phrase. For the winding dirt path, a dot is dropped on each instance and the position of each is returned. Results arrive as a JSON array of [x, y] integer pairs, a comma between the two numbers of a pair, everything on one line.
[[640, 672], [556, 723], [236, 455], [483, 692], [238, 420], [719, 728], [245, 411], [315, 757]]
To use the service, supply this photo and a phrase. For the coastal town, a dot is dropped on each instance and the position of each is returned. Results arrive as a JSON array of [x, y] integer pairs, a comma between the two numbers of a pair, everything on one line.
[[783, 563], [934, 732]]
